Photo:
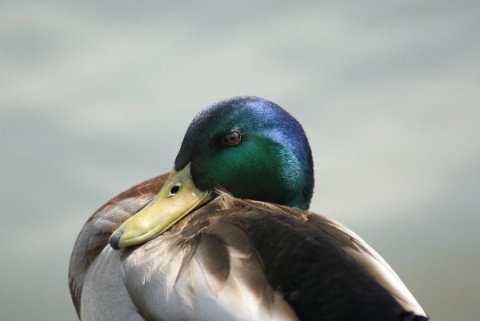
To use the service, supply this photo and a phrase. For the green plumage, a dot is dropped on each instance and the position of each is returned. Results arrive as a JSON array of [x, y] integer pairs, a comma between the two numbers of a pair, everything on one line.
[[271, 163]]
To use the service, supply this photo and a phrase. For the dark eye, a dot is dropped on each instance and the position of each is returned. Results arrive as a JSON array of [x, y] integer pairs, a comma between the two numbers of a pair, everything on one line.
[[233, 138]]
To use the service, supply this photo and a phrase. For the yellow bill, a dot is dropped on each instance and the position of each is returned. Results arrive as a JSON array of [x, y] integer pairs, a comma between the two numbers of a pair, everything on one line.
[[177, 198]]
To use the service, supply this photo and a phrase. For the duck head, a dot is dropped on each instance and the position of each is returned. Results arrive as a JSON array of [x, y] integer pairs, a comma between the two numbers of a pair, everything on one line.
[[246, 146]]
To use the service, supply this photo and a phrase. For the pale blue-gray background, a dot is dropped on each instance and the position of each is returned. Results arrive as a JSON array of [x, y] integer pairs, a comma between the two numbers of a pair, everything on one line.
[[95, 96]]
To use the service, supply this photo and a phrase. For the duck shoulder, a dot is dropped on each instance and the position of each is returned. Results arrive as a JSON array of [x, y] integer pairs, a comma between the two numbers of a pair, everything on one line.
[[320, 267]]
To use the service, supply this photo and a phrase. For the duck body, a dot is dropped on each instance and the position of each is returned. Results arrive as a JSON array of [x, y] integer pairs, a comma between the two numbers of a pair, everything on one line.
[[235, 255]]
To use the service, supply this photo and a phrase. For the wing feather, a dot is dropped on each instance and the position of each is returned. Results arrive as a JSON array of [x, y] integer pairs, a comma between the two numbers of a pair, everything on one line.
[[232, 260], [95, 234]]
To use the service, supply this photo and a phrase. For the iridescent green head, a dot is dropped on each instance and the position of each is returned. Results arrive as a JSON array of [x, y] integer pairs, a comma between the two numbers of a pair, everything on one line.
[[247, 146], [251, 148]]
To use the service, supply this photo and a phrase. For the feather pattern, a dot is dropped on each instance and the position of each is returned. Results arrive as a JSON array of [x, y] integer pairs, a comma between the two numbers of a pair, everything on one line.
[[231, 260], [93, 237]]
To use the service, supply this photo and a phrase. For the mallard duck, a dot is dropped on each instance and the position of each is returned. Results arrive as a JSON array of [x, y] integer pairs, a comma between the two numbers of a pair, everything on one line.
[[227, 235]]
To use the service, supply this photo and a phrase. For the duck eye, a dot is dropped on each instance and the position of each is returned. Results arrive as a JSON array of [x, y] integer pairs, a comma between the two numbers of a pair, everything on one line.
[[233, 138]]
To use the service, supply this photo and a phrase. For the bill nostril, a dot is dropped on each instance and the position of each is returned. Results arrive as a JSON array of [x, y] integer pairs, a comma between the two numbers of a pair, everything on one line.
[[174, 190]]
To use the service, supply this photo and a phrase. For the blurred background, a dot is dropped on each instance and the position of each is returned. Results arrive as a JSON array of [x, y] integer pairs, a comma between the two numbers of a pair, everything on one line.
[[95, 96]]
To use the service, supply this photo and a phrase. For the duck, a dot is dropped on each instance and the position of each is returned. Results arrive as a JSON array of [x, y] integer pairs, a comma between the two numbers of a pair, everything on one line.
[[227, 235]]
